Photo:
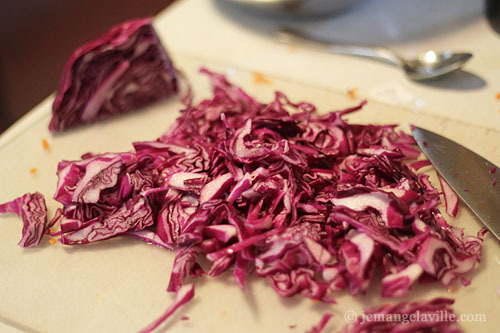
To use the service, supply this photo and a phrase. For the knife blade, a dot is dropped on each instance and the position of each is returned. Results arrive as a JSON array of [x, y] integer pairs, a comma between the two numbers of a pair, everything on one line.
[[471, 176]]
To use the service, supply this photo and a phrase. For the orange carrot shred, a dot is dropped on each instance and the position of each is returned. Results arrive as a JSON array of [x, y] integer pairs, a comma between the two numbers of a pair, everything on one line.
[[33, 170], [352, 93], [45, 144], [260, 78], [52, 241], [497, 96], [315, 300], [386, 304], [452, 289], [292, 49]]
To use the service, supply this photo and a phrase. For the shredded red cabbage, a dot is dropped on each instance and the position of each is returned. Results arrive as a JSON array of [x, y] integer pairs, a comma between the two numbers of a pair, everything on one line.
[[32, 209], [124, 69], [308, 201]]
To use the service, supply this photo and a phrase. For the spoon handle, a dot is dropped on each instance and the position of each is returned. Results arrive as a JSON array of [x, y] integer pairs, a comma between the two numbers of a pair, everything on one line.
[[292, 36]]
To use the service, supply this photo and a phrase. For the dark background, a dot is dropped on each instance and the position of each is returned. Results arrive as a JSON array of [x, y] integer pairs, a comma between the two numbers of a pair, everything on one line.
[[37, 36]]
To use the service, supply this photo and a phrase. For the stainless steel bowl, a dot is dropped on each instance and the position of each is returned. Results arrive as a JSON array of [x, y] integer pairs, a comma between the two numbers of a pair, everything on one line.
[[295, 7]]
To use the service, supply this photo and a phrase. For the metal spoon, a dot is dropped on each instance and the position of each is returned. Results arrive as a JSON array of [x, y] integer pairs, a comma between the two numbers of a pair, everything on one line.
[[429, 65]]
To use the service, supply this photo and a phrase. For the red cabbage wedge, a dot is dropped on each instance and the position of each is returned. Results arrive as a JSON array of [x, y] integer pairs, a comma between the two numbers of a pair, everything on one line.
[[125, 69]]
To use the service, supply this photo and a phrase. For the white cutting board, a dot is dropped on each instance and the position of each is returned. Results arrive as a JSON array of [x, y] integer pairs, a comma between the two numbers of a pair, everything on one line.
[[119, 285]]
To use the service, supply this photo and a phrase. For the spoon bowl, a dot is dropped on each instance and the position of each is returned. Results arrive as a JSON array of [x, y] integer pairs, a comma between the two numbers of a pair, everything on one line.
[[431, 65], [427, 66]]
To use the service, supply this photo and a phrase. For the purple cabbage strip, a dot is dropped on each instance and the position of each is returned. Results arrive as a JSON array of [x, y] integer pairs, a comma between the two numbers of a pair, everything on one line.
[[33, 210], [184, 295], [133, 215], [420, 164], [450, 198], [318, 328], [124, 69], [149, 237]]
